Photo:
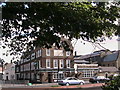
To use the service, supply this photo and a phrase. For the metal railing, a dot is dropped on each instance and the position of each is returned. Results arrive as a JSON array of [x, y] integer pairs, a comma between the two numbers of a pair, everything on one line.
[[13, 83]]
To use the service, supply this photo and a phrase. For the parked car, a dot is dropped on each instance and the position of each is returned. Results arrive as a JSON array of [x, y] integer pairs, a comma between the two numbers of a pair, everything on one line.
[[99, 79], [71, 81]]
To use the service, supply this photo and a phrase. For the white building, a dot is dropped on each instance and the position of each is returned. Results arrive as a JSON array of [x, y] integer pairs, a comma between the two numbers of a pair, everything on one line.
[[9, 72]]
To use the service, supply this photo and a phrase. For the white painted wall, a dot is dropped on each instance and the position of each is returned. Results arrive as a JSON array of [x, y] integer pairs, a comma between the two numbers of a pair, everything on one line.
[[9, 72]]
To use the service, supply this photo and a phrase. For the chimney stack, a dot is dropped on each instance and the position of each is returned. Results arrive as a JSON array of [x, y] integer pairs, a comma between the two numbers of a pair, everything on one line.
[[75, 53]]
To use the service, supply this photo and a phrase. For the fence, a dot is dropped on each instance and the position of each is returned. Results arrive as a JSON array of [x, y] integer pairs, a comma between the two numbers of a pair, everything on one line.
[[13, 83]]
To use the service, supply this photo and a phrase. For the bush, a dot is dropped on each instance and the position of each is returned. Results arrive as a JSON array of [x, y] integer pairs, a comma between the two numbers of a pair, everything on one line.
[[113, 84]]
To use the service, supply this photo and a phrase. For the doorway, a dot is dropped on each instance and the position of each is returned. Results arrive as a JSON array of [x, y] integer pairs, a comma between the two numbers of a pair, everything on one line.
[[49, 77]]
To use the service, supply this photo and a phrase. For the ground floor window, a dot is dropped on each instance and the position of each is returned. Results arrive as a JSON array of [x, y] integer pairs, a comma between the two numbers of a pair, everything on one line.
[[88, 73], [58, 75]]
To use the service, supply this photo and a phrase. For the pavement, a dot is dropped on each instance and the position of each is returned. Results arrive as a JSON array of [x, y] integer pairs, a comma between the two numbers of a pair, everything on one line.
[[52, 86]]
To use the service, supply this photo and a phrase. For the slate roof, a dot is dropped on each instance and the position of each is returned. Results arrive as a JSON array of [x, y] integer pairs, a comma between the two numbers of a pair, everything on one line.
[[109, 69], [111, 57], [81, 61]]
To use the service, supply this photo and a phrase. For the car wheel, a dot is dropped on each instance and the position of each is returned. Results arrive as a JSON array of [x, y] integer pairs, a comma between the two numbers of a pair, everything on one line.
[[81, 83], [67, 84]]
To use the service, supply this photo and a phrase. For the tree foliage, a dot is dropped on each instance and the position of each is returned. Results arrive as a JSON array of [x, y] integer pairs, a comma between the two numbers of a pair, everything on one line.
[[46, 22], [113, 84]]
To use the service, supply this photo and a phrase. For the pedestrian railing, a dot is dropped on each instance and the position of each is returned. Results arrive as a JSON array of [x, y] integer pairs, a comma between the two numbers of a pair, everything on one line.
[[13, 83]]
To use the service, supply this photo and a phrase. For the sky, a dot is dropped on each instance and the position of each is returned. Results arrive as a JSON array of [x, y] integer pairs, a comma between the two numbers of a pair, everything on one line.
[[88, 48], [81, 47]]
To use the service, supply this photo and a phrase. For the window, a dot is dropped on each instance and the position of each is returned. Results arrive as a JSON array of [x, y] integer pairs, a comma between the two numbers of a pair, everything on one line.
[[28, 58], [36, 65], [61, 64], [58, 75], [32, 66], [17, 69], [21, 60], [39, 63], [68, 63], [33, 56], [68, 53], [88, 73], [47, 52], [47, 63], [55, 63], [27, 67], [22, 67], [55, 76], [58, 52], [24, 60], [22, 75], [32, 76], [38, 53]]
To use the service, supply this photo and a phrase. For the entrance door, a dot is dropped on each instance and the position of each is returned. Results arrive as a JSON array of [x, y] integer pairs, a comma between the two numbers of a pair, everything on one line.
[[49, 77], [6, 77]]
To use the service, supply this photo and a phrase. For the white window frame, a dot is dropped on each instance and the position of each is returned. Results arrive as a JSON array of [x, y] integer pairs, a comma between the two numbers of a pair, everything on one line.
[[61, 63], [32, 56], [88, 73], [47, 52], [58, 52], [55, 63], [55, 75], [58, 75], [68, 63], [38, 53], [68, 53], [40, 64], [48, 63]]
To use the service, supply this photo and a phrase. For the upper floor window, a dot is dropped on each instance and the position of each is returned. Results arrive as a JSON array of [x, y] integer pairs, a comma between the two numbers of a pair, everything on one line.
[[27, 67], [55, 63], [33, 56], [68, 53], [36, 65], [17, 69], [25, 60], [47, 63], [68, 63], [21, 68], [32, 66], [38, 53], [61, 63], [22, 60], [39, 63], [28, 58], [47, 52], [58, 52]]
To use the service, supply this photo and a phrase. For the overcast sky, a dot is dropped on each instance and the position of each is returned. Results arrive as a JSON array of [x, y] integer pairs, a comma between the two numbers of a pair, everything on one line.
[[82, 47]]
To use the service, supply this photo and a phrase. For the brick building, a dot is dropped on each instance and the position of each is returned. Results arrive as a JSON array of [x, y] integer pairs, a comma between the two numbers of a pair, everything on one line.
[[45, 65]]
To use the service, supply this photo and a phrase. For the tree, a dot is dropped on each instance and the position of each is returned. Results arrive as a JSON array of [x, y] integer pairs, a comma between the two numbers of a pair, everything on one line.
[[29, 24]]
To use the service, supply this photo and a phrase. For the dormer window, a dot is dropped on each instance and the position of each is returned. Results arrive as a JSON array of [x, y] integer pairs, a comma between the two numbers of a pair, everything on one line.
[[47, 52]]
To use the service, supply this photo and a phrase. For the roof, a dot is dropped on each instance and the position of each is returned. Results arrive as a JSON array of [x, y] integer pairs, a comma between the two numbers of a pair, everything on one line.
[[108, 69], [111, 57], [86, 56], [81, 61]]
